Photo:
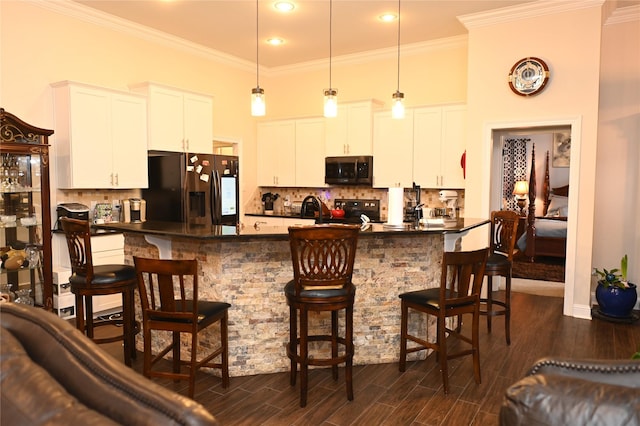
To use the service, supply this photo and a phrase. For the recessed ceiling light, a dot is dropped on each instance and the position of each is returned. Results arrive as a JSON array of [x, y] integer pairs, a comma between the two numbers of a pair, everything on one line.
[[275, 41], [388, 17], [284, 6]]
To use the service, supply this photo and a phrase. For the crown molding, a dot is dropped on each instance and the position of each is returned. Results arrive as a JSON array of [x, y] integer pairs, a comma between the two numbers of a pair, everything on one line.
[[624, 14], [114, 23], [525, 11], [412, 49]]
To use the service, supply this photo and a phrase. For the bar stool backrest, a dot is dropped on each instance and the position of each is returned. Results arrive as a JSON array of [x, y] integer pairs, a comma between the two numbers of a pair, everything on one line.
[[323, 255], [504, 227], [78, 235]]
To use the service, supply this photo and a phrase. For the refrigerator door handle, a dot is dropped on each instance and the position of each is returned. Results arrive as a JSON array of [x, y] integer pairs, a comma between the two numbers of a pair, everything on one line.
[[216, 203]]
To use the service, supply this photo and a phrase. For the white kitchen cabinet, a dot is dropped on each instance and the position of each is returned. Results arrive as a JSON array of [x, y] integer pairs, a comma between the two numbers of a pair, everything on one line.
[[277, 153], [351, 131], [393, 150], [101, 137], [178, 120], [438, 144], [309, 162]]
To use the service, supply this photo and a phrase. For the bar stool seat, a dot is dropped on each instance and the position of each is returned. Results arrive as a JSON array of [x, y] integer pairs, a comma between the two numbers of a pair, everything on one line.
[[88, 281], [323, 258]]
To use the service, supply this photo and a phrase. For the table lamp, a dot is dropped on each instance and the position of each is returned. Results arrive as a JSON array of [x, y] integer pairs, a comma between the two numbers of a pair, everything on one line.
[[520, 190]]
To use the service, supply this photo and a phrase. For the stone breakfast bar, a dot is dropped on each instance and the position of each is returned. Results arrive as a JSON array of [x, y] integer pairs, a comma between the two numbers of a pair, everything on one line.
[[249, 268]]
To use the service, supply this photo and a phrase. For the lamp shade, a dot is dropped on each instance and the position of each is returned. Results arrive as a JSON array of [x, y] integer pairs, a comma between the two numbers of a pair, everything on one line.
[[330, 103], [258, 107], [521, 188]]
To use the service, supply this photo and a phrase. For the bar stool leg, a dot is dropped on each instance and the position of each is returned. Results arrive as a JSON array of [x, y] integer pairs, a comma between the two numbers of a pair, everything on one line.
[[304, 353], [403, 337], [350, 351], [489, 302], [507, 309], [334, 342], [293, 344]]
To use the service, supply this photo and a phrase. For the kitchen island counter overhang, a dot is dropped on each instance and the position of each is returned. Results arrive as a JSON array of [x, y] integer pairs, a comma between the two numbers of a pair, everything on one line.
[[249, 268]]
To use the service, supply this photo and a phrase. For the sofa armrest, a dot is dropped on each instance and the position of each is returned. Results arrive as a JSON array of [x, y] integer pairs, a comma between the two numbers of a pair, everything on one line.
[[547, 399], [614, 372], [93, 377]]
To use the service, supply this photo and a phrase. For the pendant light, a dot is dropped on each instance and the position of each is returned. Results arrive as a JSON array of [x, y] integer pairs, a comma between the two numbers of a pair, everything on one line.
[[330, 94], [397, 110], [258, 107]]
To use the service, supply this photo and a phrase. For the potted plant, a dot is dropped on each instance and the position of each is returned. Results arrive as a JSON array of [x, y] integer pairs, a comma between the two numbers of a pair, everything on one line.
[[616, 296]]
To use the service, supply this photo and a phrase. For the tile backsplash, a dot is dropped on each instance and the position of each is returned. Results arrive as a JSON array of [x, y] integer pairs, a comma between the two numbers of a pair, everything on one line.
[[429, 197]]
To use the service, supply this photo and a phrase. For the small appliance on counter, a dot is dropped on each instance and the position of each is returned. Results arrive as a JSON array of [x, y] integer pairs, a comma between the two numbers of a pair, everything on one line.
[[313, 207], [357, 211], [134, 210], [72, 211]]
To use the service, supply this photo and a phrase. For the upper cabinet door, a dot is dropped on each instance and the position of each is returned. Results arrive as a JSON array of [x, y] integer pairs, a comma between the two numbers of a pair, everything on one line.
[[439, 142], [427, 130], [165, 118], [277, 153], [179, 121], [351, 132], [392, 150], [454, 142], [310, 150], [129, 114], [198, 123]]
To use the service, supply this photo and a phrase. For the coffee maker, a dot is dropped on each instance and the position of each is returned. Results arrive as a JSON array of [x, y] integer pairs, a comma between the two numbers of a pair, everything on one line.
[[134, 210]]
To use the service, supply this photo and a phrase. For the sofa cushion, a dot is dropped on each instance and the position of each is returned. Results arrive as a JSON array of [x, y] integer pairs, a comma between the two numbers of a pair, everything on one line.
[[30, 396], [548, 399]]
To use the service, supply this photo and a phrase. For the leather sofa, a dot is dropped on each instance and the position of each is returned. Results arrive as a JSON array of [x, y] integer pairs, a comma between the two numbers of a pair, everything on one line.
[[560, 391], [52, 374]]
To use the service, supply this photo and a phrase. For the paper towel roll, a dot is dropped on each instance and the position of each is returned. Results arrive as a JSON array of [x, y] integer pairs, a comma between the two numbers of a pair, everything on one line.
[[396, 206]]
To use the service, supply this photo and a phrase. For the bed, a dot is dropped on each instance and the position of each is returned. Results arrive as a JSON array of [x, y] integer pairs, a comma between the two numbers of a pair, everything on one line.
[[545, 235]]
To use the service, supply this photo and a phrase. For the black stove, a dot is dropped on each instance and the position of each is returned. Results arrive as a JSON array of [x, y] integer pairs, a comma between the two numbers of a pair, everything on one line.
[[353, 209]]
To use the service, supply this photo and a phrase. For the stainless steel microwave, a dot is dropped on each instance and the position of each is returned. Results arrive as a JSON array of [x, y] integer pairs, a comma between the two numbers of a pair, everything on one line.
[[349, 170]]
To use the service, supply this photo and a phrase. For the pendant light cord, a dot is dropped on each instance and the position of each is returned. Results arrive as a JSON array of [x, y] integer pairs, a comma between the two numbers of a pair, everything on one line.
[[257, 49], [398, 89], [330, 41]]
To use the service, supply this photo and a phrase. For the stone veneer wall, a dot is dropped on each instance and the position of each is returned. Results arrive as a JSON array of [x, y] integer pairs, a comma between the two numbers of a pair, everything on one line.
[[427, 196], [251, 275]]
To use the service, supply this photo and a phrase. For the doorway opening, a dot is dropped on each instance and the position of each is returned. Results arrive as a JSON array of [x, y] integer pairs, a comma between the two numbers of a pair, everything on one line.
[[495, 132]]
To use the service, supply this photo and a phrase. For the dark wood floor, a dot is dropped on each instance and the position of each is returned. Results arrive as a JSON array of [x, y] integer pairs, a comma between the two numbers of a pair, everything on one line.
[[384, 396]]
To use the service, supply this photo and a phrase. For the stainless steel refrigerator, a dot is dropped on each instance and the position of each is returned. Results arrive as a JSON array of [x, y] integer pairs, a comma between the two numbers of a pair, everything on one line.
[[200, 189]]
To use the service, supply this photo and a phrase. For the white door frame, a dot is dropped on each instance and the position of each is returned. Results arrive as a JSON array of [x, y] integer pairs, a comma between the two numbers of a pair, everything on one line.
[[575, 123]]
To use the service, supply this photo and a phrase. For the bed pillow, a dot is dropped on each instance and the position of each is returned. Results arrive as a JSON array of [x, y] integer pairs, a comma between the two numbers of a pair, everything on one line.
[[558, 206]]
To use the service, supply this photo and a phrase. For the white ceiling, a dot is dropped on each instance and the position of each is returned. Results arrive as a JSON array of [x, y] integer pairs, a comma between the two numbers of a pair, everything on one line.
[[229, 26]]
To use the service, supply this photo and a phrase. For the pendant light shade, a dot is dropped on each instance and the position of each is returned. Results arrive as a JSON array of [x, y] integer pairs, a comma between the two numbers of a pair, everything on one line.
[[397, 110], [330, 94], [258, 106], [330, 102]]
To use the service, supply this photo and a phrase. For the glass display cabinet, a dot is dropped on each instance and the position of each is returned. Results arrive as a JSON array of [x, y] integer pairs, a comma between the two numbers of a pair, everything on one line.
[[25, 213]]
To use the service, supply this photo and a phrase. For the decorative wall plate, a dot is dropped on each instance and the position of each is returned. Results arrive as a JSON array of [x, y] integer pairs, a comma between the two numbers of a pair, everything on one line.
[[528, 76]]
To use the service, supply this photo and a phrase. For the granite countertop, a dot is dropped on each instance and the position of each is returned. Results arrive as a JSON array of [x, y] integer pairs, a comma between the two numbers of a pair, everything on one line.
[[229, 232]]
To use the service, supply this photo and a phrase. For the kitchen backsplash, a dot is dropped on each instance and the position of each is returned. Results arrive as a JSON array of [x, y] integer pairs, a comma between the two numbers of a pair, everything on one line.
[[429, 197], [90, 197]]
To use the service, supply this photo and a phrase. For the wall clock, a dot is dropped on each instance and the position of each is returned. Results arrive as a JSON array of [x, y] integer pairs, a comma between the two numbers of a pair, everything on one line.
[[528, 76]]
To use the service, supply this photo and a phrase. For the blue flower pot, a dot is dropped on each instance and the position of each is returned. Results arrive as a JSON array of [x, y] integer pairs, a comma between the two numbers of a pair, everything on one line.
[[615, 301]]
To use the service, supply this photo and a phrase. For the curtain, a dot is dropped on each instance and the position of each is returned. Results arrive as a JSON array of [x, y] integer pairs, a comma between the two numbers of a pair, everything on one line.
[[514, 168]]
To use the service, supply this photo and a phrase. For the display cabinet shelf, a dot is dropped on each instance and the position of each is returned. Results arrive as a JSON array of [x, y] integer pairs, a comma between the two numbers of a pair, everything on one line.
[[25, 213]]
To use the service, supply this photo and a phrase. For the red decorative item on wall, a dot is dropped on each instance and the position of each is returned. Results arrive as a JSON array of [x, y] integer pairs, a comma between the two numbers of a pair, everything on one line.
[[463, 164]]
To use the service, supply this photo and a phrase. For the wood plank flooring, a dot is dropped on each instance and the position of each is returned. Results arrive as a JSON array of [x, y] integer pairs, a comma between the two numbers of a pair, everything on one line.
[[384, 396]]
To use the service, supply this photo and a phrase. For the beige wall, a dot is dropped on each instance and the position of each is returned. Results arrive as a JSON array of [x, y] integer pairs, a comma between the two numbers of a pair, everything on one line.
[[617, 200]]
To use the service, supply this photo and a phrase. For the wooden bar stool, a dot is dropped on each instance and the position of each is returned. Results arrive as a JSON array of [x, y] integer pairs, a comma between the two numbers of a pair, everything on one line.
[[323, 258], [504, 229], [458, 294], [100, 280], [170, 303]]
